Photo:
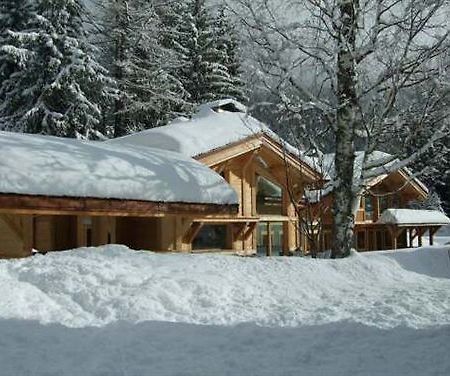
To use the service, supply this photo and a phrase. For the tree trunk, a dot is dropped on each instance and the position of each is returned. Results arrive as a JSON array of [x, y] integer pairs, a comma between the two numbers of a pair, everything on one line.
[[346, 120]]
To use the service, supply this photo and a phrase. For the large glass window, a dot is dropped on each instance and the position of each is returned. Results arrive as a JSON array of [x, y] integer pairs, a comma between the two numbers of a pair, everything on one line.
[[270, 239], [211, 237], [269, 197]]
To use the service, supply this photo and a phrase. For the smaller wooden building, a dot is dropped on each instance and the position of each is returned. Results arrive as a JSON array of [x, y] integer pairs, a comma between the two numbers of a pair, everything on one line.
[[384, 219]]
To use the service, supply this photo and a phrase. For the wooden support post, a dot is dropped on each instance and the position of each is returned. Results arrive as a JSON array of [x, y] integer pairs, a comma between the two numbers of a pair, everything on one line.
[[251, 227], [432, 231], [395, 232], [419, 234], [269, 240], [192, 232], [239, 230]]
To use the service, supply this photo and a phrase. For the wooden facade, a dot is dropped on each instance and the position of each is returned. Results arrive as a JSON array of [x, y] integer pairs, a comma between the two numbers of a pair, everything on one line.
[[47, 224], [270, 232], [394, 191]]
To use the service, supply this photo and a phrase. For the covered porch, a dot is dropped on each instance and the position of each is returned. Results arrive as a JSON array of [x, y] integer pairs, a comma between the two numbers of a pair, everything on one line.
[[408, 227]]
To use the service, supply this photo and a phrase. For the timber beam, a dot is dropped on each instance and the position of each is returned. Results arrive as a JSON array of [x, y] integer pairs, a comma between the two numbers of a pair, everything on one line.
[[49, 205]]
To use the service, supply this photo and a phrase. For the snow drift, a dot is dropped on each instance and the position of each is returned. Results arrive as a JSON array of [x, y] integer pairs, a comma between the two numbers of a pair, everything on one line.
[[99, 286]]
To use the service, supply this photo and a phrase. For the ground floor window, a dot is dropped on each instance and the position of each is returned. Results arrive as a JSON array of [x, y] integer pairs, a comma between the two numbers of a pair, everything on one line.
[[211, 237]]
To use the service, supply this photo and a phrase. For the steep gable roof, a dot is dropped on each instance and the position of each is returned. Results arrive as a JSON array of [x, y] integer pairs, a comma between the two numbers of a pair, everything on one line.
[[377, 158]]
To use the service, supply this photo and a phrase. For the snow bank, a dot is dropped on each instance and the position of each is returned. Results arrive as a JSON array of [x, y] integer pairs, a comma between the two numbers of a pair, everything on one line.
[[43, 165], [432, 261], [99, 286]]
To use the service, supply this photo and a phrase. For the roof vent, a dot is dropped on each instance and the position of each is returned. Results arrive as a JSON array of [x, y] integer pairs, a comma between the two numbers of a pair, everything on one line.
[[224, 105]]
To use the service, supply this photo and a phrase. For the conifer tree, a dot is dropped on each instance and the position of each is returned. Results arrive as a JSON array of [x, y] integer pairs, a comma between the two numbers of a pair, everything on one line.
[[148, 93], [206, 49], [60, 85], [227, 44], [14, 16]]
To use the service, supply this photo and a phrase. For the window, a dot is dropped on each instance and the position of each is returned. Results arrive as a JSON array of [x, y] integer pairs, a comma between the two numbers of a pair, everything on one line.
[[384, 203], [368, 209], [396, 201], [211, 237], [269, 197]]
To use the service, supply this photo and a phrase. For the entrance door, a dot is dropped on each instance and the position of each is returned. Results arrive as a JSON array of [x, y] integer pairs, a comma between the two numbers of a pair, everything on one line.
[[270, 238]]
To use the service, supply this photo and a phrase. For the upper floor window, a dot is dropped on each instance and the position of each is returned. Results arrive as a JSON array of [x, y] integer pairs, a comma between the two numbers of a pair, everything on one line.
[[368, 209], [384, 203], [269, 197], [396, 203]]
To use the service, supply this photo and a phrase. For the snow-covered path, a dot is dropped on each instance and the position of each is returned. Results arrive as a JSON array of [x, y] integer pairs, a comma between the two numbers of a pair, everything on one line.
[[111, 311]]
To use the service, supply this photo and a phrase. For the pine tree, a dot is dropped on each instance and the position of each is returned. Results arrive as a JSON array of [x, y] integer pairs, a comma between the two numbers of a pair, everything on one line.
[[148, 94], [14, 17], [60, 85], [227, 46], [206, 48]]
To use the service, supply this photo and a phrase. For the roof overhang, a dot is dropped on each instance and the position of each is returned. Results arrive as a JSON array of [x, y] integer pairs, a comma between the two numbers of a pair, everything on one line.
[[255, 142], [50, 205]]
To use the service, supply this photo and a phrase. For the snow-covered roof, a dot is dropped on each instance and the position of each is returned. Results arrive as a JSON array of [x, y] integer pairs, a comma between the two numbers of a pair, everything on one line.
[[403, 217], [52, 166], [374, 160], [209, 129], [327, 167]]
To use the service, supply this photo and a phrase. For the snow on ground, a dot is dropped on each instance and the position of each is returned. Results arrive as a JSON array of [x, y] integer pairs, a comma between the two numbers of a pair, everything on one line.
[[111, 311]]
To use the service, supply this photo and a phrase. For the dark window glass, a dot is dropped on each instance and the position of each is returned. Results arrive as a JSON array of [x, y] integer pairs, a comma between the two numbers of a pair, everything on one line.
[[88, 237], [211, 237], [396, 201], [269, 197], [368, 209], [384, 203]]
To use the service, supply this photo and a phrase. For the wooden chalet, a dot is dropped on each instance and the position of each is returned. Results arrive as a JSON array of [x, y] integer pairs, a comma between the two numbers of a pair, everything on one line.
[[218, 181], [268, 175], [384, 219]]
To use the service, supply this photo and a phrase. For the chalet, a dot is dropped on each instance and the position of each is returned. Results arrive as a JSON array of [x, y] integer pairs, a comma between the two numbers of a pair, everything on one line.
[[267, 173], [217, 181], [384, 218]]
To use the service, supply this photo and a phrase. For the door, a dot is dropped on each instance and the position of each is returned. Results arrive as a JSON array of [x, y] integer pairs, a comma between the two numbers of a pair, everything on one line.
[[269, 239]]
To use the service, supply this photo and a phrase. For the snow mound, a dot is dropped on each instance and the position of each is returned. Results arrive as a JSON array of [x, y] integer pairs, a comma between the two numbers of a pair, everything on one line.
[[98, 286]]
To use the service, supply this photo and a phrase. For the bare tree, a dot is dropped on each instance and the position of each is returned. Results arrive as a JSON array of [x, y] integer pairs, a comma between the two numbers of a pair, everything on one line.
[[375, 70]]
